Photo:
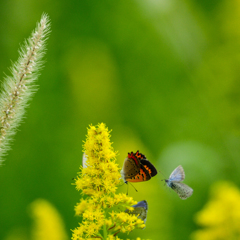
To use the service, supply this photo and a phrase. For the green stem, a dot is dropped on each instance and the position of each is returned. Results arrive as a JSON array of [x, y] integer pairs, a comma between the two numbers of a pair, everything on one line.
[[104, 229], [105, 232]]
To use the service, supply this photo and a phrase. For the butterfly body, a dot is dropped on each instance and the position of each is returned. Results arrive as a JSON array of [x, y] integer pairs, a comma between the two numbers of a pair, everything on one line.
[[140, 210], [174, 182], [136, 168]]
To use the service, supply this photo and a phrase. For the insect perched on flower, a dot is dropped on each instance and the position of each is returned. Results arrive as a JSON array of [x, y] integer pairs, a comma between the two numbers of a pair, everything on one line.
[[174, 182], [140, 210], [136, 168]]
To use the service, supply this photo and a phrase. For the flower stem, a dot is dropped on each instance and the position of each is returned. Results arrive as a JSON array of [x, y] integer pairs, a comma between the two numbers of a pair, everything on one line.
[[105, 229]]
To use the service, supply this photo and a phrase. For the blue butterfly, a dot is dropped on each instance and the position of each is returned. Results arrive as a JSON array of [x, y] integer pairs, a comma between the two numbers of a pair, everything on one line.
[[174, 182], [140, 210]]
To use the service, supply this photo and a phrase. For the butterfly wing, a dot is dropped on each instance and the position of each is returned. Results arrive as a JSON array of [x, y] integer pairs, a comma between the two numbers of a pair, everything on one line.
[[140, 210], [131, 167], [142, 176], [142, 204], [147, 170], [183, 190], [149, 167], [177, 175], [84, 160]]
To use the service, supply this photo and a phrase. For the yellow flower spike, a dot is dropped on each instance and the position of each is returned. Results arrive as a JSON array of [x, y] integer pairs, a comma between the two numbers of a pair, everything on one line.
[[221, 215], [48, 224], [98, 184]]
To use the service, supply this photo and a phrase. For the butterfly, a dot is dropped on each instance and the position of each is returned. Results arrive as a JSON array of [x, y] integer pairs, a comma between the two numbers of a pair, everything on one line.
[[174, 182], [136, 168], [140, 210]]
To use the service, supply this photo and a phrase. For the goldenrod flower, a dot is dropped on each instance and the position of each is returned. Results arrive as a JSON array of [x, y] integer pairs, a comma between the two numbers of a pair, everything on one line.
[[98, 183], [221, 215]]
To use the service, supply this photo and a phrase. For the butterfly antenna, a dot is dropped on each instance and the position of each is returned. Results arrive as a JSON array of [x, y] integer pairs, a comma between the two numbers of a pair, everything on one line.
[[163, 179], [162, 174], [134, 187]]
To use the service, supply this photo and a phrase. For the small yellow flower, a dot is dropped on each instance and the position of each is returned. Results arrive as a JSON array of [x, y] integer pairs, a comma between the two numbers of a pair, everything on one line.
[[81, 207], [98, 184]]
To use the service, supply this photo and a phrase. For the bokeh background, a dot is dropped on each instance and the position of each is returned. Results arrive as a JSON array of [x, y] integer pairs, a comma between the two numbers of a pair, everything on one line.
[[164, 75]]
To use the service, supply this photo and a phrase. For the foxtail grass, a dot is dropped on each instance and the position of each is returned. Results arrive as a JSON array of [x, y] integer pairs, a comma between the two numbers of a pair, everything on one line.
[[18, 89]]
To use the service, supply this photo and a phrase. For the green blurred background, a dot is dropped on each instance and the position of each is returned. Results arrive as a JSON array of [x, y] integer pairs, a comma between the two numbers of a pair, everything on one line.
[[162, 74]]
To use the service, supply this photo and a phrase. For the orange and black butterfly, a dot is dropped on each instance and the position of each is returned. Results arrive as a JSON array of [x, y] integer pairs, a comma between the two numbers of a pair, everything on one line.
[[136, 168]]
